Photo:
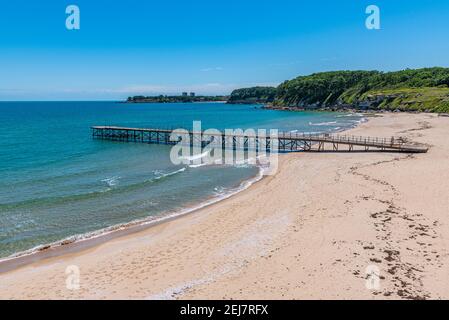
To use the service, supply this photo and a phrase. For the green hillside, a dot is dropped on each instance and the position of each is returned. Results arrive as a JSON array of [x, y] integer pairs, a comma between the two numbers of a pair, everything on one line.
[[253, 95], [408, 90]]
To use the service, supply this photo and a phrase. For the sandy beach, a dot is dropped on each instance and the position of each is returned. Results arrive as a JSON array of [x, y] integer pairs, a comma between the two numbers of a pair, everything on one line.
[[309, 232]]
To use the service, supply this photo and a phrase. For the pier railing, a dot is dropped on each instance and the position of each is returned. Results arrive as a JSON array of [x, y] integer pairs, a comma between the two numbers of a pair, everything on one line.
[[285, 141]]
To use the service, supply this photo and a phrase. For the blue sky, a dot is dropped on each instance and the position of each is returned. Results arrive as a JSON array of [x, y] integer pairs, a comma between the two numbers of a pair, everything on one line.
[[210, 47]]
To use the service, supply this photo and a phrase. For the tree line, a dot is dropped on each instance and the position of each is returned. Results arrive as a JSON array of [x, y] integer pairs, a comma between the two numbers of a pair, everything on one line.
[[357, 89]]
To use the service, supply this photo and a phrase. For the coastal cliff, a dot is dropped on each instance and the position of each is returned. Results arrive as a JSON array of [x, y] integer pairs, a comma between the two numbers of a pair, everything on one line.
[[253, 95], [420, 90]]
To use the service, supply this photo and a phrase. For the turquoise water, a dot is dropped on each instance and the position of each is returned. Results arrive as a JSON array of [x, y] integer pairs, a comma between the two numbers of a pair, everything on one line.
[[57, 182]]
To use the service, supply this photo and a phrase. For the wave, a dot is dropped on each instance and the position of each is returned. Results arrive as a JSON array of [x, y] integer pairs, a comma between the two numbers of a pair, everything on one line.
[[111, 182], [350, 115], [58, 200], [219, 191], [247, 163], [50, 178], [323, 123], [220, 194], [169, 174]]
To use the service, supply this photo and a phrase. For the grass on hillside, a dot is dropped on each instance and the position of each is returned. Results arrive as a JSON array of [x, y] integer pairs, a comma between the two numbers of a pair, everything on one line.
[[433, 99]]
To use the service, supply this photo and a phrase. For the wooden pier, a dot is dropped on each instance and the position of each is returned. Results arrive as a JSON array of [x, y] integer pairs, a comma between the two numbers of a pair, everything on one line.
[[284, 142]]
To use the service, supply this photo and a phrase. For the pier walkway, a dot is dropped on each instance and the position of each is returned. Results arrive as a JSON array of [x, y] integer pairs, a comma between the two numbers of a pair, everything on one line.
[[285, 142]]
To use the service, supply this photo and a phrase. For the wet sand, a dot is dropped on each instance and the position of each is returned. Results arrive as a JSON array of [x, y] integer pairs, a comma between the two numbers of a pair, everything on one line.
[[309, 232]]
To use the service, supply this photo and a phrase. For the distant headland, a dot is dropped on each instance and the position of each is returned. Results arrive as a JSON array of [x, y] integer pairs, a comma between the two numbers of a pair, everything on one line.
[[183, 98], [411, 90]]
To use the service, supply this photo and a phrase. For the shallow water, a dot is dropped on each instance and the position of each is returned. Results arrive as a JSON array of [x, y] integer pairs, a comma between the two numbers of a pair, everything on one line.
[[56, 181]]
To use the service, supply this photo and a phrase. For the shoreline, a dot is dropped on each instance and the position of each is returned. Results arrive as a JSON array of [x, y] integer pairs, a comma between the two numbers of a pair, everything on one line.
[[79, 242], [321, 215]]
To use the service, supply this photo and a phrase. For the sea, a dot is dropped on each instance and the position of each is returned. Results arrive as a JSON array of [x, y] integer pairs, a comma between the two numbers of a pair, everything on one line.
[[59, 185]]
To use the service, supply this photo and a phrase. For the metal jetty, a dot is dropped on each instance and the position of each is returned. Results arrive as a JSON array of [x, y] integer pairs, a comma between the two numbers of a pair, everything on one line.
[[283, 142]]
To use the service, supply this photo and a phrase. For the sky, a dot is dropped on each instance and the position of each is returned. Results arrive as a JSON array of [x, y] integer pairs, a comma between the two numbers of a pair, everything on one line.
[[153, 47]]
